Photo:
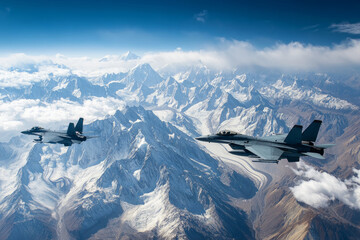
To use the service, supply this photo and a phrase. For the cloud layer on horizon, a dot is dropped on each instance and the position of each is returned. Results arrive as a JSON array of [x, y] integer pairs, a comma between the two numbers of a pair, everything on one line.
[[294, 56], [319, 189], [227, 55]]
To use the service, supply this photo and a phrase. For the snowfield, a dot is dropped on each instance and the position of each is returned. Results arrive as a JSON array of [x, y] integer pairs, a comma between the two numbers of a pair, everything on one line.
[[145, 176]]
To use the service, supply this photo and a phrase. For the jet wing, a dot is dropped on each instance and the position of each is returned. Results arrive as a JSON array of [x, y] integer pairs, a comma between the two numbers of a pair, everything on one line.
[[265, 152], [275, 138], [55, 138], [51, 138]]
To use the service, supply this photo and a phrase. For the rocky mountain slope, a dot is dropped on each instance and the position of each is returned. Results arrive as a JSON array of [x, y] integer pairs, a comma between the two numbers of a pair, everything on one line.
[[146, 177]]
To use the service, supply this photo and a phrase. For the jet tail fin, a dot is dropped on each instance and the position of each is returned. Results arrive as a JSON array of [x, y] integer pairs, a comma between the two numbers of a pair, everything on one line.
[[294, 135], [71, 129], [79, 125], [311, 132]]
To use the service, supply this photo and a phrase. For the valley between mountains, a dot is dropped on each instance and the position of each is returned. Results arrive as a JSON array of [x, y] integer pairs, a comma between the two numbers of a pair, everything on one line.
[[146, 177]]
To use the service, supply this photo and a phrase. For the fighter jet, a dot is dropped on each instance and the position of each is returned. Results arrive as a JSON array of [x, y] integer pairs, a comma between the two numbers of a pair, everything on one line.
[[271, 149], [72, 135]]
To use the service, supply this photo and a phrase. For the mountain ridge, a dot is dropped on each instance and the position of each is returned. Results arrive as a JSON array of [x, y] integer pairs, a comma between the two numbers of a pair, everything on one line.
[[146, 178]]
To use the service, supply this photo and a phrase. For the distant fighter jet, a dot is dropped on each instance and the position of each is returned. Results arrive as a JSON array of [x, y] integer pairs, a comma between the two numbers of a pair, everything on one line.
[[72, 135], [271, 149]]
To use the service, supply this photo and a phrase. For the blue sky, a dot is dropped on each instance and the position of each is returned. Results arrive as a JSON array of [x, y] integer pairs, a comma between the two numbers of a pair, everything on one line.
[[104, 27]]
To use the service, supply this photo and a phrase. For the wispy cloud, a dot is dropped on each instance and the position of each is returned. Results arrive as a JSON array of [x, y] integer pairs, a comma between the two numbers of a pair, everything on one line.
[[21, 114], [352, 28], [201, 16], [318, 189], [313, 28]]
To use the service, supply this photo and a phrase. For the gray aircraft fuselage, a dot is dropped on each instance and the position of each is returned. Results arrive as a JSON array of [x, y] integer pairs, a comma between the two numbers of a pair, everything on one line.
[[273, 148], [72, 135], [239, 141]]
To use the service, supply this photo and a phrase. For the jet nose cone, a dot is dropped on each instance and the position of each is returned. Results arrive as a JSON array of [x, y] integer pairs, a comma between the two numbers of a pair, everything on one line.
[[24, 132], [202, 138]]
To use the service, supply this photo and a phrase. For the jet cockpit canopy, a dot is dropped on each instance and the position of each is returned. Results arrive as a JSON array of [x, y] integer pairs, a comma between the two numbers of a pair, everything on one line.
[[36, 128], [226, 133]]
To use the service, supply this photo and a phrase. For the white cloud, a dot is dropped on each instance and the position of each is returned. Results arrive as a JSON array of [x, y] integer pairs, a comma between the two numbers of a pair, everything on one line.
[[94, 67], [352, 28], [286, 57], [19, 78], [318, 189], [22, 114], [201, 16], [22, 60], [21, 69]]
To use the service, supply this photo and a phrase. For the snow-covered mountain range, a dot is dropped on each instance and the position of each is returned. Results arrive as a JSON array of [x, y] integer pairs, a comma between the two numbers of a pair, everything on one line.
[[146, 177]]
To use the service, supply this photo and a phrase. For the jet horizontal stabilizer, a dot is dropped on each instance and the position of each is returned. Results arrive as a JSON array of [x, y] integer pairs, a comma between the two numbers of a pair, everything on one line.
[[324, 145], [314, 155], [88, 137]]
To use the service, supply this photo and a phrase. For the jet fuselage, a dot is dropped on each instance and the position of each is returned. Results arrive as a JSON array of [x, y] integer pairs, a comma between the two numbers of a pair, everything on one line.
[[239, 141], [275, 147], [72, 135]]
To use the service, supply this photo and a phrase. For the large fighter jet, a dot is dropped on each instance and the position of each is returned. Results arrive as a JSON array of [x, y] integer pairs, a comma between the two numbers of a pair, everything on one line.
[[72, 135], [271, 149]]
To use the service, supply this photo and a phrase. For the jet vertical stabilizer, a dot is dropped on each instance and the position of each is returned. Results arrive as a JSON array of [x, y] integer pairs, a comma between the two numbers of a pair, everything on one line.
[[294, 136], [79, 125], [71, 130], [311, 132]]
